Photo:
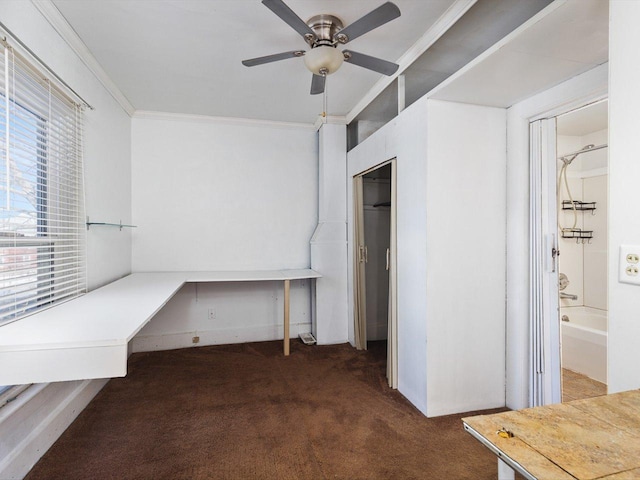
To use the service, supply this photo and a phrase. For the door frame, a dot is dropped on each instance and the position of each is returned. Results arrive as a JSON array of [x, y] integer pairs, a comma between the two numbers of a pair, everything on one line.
[[359, 288], [551, 207], [578, 91]]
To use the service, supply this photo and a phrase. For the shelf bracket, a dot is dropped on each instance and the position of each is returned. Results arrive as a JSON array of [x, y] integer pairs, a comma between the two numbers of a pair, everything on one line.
[[120, 225]]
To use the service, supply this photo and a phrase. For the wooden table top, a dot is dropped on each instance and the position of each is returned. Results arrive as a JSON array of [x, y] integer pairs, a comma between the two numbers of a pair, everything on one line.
[[596, 438]]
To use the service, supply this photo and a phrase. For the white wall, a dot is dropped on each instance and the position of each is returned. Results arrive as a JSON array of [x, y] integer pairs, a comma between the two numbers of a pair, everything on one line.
[[624, 201], [43, 412], [107, 156], [214, 194], [451, 254], [595, 189], [466, 222], [244, 312], [404, 138]]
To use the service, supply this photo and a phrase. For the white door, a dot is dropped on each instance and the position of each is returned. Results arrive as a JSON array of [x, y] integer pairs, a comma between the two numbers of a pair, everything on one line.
[[545, 371], [359, 267]]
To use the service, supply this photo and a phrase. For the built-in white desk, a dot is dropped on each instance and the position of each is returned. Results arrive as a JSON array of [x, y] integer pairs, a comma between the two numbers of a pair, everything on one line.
[[87, 337]]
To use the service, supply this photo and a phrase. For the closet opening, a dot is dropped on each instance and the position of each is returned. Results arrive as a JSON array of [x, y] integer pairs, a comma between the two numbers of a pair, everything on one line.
[[375, 272]]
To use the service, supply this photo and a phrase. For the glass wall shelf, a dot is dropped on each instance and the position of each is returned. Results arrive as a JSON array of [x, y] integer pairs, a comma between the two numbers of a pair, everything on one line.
[[106, 224]]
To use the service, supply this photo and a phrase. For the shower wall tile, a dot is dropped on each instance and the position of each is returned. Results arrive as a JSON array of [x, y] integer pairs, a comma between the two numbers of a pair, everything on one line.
[[595, 253], [595, 279]]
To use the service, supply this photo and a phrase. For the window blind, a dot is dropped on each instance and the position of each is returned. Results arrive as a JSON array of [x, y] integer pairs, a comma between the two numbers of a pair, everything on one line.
[[42, 222]]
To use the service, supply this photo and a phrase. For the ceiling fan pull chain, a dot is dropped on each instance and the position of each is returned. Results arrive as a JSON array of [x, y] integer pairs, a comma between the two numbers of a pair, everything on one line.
[[324, 98]]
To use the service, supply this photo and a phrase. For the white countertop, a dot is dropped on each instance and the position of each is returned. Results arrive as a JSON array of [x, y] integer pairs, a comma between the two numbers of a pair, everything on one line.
[[99, 324]]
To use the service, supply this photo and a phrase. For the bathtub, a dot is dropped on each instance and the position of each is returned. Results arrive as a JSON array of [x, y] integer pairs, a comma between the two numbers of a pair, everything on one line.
[[584, 341]]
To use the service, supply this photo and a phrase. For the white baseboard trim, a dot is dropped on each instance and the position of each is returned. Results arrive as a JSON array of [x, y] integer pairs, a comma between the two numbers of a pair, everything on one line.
[[173, 341], [471, 406], [35, 420]]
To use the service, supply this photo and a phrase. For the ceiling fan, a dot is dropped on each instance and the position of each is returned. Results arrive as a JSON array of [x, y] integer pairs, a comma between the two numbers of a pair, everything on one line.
[[323, 33]]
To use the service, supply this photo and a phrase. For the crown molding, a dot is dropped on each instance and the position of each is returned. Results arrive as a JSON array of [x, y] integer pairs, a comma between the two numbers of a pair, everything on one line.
[[185, 117], [446, 21], [331, 119], [51, 13]]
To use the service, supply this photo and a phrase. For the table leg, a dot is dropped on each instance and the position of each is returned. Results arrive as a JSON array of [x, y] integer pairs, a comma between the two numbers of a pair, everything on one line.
[[286, 317], [505, 472]]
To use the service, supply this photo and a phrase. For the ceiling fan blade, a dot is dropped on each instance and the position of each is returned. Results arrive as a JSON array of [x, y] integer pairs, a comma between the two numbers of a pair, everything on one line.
[[381, 15], [252, 62], [282, 10], [372, 63], [317, 84]]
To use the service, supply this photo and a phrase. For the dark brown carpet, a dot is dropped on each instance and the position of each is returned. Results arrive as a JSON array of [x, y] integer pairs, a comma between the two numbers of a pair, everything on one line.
[[247, 412]]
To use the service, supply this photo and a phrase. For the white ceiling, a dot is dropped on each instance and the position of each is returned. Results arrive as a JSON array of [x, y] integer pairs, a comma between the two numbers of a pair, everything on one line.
[[183, 56], [584, 121], [571, 40]]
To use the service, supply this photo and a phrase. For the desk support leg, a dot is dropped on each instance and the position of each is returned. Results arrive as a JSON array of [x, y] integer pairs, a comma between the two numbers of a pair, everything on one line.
[[286, 317], [505, 472]]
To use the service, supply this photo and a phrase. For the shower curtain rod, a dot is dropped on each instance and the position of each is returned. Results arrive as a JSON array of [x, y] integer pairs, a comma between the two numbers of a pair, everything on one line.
[[578, 152]]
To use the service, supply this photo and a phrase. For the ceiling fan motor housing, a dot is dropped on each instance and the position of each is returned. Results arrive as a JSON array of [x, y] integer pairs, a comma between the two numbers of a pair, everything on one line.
[[325, 27], [323, 58]]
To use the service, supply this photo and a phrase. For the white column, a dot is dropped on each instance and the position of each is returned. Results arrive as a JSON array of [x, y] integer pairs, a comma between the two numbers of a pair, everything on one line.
[[624, 201], [329, 241]]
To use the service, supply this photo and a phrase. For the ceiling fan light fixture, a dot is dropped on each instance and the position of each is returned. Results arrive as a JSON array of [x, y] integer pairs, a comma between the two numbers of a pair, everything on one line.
[[323, 60]]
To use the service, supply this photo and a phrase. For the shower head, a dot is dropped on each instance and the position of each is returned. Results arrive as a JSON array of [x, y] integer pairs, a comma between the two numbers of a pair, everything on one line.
[[570, 158]]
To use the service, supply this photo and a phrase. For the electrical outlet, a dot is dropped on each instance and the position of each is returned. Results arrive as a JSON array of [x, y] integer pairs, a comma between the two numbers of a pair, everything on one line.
[[195, 339], [629, 271], [211, 314]]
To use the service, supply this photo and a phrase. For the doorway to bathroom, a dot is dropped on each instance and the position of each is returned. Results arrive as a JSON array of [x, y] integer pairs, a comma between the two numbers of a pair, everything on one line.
[[582, 218], [568, 254], [375, 319]]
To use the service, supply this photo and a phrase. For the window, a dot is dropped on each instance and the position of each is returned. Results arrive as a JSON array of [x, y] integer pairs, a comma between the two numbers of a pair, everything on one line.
[[42, 224]]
